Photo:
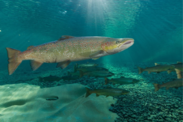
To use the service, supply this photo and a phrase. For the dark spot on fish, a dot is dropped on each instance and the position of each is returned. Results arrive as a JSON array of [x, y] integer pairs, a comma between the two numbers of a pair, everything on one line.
[[52, 98], [118, 42]]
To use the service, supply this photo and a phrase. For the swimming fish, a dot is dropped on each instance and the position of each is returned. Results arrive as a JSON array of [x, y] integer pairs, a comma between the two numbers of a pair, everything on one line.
[[74, 73], [107, 92], [157, 68], [121, 81], [67, 49], [87, 65], [70, 77], [172, 84], [89, 69], [100, 73]]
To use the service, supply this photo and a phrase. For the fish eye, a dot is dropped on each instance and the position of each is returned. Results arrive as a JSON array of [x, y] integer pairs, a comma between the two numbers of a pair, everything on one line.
[[117, 42]]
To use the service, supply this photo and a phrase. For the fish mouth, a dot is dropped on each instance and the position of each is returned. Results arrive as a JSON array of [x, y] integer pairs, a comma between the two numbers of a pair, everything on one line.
[[126, 43], [129, 42]]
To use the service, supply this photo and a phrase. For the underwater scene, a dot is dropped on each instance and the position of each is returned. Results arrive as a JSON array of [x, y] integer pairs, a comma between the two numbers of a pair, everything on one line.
[[91, 61]]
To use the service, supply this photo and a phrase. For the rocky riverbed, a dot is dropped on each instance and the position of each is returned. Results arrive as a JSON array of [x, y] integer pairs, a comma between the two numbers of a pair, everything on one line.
[[142, 104]]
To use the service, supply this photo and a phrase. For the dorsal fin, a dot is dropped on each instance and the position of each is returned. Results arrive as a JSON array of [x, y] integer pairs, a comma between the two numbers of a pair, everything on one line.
[[65, 37], [28, 48], [156, 64]]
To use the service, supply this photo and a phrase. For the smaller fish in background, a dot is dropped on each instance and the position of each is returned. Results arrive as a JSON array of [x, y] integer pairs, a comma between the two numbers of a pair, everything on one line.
[[70, 77], [122, 81], [74, 73], [179, 73], [99, 73], [157, 68], [88, 69], [87, 65], [107, 92], [172, 84]]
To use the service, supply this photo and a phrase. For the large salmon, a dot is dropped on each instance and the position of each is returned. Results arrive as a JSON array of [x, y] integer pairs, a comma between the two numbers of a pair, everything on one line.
[[67, 49]]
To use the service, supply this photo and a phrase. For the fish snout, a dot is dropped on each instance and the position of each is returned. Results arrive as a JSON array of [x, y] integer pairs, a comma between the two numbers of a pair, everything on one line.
[[124, 43], [128, 41]]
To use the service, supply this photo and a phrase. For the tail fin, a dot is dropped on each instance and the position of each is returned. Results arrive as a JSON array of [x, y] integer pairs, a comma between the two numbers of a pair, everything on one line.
[[14, 61], [156, 86], [140, 70], [106, 81], [87, 92], [75, 67], [179, 76]]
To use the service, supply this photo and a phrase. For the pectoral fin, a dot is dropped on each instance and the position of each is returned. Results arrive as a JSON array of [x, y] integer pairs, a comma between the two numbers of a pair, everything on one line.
[[63, 64], [35, 65], [94, 54], [97, 95]]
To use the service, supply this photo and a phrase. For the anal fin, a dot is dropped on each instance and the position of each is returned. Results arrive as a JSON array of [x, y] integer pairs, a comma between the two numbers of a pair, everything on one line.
[[63, 64], [35, 65]]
